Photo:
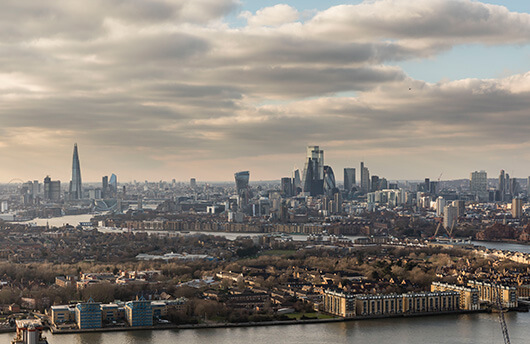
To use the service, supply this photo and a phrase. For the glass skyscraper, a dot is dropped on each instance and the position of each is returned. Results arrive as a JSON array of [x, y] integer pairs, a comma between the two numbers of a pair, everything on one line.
[[75, 190]]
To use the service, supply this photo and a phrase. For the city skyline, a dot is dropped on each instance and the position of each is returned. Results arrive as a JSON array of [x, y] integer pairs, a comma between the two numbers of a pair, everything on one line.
[[163, 90]]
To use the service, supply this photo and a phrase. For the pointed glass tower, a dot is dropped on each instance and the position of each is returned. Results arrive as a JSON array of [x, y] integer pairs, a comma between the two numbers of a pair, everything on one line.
[[75, 184]]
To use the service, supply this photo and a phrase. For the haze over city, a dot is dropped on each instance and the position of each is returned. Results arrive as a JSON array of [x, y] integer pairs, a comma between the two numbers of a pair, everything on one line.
[[174, 89]]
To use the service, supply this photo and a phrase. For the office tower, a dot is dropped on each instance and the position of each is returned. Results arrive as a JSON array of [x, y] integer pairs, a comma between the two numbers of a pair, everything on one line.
[[52, 189], [242, 179], [507, 193], [450, 216], [337, 203], [349, 178], [365, 178], [478, 185], [517, 208], [427, 185], [502, 185], [313, 177], [104, 186], [383, 184], [329, 181], [514, 187], [528, 186], [374, 184], [193, 183], [287, 186], [440, 204], [113, 183], [75, 190], [297, 183]]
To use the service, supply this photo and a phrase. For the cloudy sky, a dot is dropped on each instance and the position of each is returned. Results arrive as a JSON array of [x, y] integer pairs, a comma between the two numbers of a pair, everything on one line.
[[163, 89]]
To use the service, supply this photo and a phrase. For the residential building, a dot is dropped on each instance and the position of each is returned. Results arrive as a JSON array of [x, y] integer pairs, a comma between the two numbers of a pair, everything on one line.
[[450, 216], [478, 185], [469, 298], [339, 303], [488, 292], [517, 208]]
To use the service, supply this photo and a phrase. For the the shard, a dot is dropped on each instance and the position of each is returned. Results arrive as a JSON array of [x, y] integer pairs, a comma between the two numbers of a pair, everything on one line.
[[75, 184]]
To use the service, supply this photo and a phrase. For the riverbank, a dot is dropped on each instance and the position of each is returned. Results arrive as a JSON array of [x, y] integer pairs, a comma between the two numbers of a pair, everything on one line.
[[54, 330]]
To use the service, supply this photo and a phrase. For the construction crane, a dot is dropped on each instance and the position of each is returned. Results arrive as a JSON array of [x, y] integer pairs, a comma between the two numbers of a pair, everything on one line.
[[498, 301]]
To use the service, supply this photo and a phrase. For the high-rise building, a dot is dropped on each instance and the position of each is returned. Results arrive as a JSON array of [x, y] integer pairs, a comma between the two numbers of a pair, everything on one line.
[[517, 208], [329, 181], [365, 178], [440, 204], [297, 183], [502, 185], [460, 206], [242, 178], [450, 216], [349, 179], [75, 190], [478, 185], [313, 177], [52, 189], [104, 186], [374, 186], [193, 183], [113, 183], [287, 186]]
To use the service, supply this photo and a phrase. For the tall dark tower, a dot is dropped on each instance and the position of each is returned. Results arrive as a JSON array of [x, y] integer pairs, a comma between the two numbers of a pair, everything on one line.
[[75, 183]]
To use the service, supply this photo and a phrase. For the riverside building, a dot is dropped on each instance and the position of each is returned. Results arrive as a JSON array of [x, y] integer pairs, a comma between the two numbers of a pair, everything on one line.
[[361, 305], [469, 299]]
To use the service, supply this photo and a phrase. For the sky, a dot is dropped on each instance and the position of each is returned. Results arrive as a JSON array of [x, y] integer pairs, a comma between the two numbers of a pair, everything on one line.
[[174, 89]]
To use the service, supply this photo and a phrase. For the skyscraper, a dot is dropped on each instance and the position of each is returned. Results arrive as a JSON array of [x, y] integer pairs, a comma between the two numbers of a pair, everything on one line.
[[313, 177], [242, 179], [478, 185], [52, 189], [297, 183], [104, 186], [349, 179], [113, 183], [329, 181], [365, 178], [286, 186], [75, 190], [502, 185]]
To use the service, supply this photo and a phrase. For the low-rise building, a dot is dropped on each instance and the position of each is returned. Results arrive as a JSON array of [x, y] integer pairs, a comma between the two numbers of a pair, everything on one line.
[[109, 312], [139, 313], [339, 303], [469, 298], [60, 314], [88, 315], [488, 292]]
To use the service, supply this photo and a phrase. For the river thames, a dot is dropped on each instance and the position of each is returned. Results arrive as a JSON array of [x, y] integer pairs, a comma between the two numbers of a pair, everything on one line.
[[446, 329]]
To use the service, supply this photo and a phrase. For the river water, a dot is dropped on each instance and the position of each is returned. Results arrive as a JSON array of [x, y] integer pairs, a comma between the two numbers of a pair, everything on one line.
[[447, 329]]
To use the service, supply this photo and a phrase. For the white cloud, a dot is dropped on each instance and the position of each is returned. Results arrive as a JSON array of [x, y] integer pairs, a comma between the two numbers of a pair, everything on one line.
[[272, 16]]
